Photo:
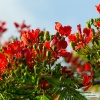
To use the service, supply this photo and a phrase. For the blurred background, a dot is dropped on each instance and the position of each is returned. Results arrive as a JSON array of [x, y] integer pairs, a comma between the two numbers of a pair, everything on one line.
[[44, 13]]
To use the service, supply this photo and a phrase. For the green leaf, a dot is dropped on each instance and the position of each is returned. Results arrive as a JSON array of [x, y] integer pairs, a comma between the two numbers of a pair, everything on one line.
[[97, 72], [68, 93], [52, 80], [42, 97], [1, 97]]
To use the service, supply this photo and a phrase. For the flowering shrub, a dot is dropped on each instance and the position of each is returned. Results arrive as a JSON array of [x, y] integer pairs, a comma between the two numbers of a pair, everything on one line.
[[29, 68]]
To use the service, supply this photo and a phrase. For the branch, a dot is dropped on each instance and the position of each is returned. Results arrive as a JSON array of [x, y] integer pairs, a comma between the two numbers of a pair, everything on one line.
[[80, 85], [94, 83]]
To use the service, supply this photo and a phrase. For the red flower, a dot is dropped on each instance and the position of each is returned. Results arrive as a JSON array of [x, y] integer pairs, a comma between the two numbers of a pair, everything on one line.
[[58, 26], [87, 35], [79, 31], [2, 29], [79, 45], [86, 31], [25, 52], [3, 23], [22, 27], [55, 55], [64, 70], [82, 39], [66, 30], [75, 60], [98, 8], [97, 23], [3, 63], [30, 37], [87, 66], [69, 57], [47, 44], [79, 28], [44, 84], [72, 38], [80, 69], [30, 56], [86, 79], [24, 38], [14, 49], [0, 78], [16, 24], [87, 87], [64, 53], [62, 44], [35, 34], [55, 40]]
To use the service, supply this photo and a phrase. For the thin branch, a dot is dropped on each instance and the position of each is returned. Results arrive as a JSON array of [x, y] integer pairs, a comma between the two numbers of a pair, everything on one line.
[[94, 83], [80, 85]]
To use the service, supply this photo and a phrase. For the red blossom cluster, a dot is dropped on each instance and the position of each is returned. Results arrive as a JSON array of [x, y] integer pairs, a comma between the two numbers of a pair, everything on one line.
[[22, 28], [87, 78], [80, 39], [32, 48]]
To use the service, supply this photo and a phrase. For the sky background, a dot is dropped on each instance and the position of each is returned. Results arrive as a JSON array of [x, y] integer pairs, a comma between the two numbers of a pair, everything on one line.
[[44, 13]]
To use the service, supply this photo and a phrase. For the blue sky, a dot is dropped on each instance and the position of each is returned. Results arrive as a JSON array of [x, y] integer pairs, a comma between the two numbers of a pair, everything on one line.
[[44, 13]]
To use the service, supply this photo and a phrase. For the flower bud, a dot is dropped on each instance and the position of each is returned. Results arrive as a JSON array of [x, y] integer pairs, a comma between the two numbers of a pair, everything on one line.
[[44, 48], [22, 79], [9, 65], [97, 42], [47, 36], [98, 53], [47, 33], [39, 47], [89, 57], [33, 79], [88, 25], [16, 72], [98, 19], [41, 33], [24, 73], [51, 37], [22, 66], [72, 45], [26, 68], [57, 34], [41, 38], [45, 62], [48, 53], [52, 63], [92, 20], [54, 48], [77, 35], [62, 38], [93, 31], [34, 46], [30, 47]]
